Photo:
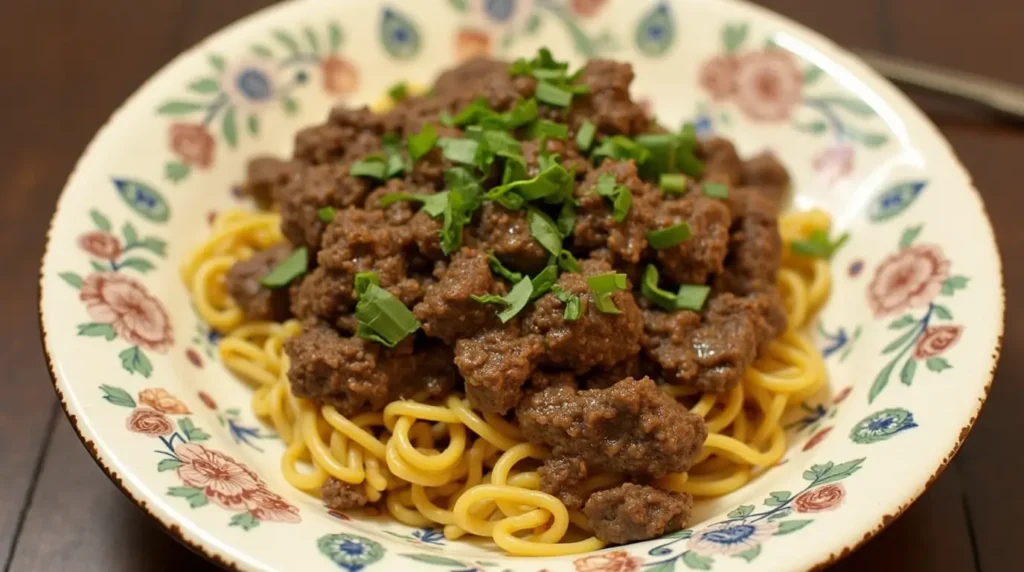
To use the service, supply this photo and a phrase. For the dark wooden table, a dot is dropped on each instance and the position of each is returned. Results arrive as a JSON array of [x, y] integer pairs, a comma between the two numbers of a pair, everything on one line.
[[69, 63]]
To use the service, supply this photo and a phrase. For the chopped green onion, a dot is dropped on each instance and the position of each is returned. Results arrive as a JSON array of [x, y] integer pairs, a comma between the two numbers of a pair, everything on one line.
[[716, 190], [663, 149], [566, 221], [463, 199], [603, 286], [687, 162], [525, 111], [650, 290], [374, 167], [620, 195], [459, 150], [489, 299], [399, 91], [585, 135], [382, 317], [574, 304], [553, 180], [433, 205], [621, 148], [446, 118], [419, 144], [553, 94], [688, 135], [473, 113], [287, 270], [546, 128], [517, 298], [544, 231], [567, 262], [501, 142], [692, 296], [325, 214], [672, 183], [669, 237], [543, 282], [501, 270], [363, 281], [818, 245]]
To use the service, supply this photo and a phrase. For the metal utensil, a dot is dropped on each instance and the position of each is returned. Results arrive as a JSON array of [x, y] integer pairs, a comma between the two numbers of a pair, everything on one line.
[[997, 95]]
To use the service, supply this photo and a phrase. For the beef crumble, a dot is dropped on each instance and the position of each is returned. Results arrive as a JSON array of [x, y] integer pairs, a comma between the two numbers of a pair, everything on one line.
[[502, 293]]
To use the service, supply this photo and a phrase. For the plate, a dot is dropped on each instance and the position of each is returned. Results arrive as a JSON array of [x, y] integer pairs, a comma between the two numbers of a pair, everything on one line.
[[910, 336]]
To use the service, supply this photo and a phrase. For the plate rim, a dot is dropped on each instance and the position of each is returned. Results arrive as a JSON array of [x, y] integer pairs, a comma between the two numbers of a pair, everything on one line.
[[219, 556]]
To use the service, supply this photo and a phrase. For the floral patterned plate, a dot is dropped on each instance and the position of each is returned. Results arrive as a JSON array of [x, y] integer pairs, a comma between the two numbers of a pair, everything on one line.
[[911, 334]]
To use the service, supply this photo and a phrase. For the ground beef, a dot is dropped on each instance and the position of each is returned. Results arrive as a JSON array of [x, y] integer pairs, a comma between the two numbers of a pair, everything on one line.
[[496, 364], [712, 351], [356, 375], [424, 235], [596, 339], [631, 427], [608, 104], [605, 377], [755, 246], [315, 188], [323, 293], [507, 234], [596, 227], [699, 257], [257, 301], [721, 162], [482, 77], [568, 156], [561, 477], [765, 170], [266, 177], [339, 495], [631, 512], [448, 311]]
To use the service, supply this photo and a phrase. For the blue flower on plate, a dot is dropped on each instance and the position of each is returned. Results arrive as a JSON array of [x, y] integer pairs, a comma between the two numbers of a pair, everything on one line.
[[254, 84], [500, 10], [882, 425], [349, 551]]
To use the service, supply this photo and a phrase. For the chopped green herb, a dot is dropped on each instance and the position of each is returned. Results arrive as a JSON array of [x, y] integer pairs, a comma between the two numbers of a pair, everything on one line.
[[393, 152], [287, 270], [553, 94], [325, 214], [688, 135], [433, 205], [672, 183], [544, 231], [419, 144], [716, 190], [363, 281], [525, 111], [446, 118], [501, 270], [543, 282], [554, 180], [574, 304], [382, 317], [621, 148], [567, 262], [489, 299], [585, 135], [668, 237], [603, 286], [501, 142], [818, 245], [474, 113], [374, 167], [517, 298], [459, 150], [662, 150], [620, 195], [687, 162], [650, 290], [545, 128], [566, 221], [462, 201], [399, 91], [692, 297]]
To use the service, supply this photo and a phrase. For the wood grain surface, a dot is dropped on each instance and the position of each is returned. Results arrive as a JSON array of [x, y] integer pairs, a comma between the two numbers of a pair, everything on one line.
[[70, 63]]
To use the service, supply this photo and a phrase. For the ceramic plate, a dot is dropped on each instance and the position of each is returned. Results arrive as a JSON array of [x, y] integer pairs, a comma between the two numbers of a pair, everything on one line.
[[911, 334]]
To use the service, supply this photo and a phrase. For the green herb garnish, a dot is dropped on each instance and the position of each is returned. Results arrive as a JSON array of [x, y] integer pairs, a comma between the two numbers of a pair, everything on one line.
[[501, 270], [433, 205], [552, 181], [574, 304], [399, 91], [567, 262], [585, 135], [818, 245], [566, 221], [716, 190], [419, 144], [326, 214], [544, 231], [603, 286], [621, 148], [287, 270], [517, 298], [382, 317], [650, 290], [552, 94], [668, 237], [545, 128], [692, 296], [543, 281], [620, 195], [672, 183], [459, 150], [374, 167]]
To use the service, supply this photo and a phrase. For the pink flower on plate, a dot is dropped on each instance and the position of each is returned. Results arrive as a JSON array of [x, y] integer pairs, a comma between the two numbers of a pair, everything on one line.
[[842, 395], [193, 144], [149, 422], [817, 438], [136, 316], [100, 244], [225, 482], [731, 537], [834, 163], [269, 506], [340, 76], [820, 499], [936, 340], [158, 398], [587, 8], [615, 561], [769, 85], [470, 43], [718, 77], [908, 278]]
